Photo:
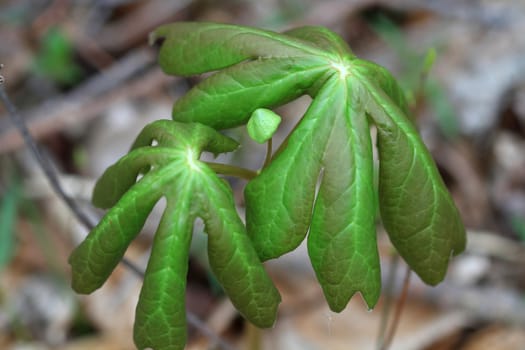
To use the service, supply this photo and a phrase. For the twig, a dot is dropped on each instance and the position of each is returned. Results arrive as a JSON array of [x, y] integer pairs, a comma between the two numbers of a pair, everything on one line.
[[443, 326], [269, 150], [44, 163], [397, 314], [90, 99], [232, 170], [207, 331], [52, 177], [387, 299]]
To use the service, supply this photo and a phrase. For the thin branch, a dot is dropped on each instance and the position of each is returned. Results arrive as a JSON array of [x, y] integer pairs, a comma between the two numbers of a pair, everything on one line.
[[52, 177], [269, 150], [232, 170], [130, 77], [41, 160], [388, 300], [208, 332], [397, 313]]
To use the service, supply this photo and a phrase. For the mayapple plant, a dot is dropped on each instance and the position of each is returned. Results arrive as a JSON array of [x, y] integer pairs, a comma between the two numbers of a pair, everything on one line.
[[318, 183]]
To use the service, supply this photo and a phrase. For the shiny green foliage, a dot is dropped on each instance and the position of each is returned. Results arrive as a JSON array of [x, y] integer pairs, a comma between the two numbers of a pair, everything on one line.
[[318, 184], [171, 169]]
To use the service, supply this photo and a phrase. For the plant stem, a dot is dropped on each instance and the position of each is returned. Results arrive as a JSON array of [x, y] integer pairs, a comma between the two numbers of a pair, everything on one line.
[[253, 337], [387, 299], [268, 158], [232, 170], [398, 311], [43, 162]]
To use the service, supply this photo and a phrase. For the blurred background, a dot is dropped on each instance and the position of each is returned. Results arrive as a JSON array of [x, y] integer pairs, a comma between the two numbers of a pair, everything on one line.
[[85, 81]]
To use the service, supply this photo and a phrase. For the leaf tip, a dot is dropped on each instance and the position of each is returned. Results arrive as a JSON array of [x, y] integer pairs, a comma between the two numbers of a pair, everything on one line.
[[370, 298], [79, 282]]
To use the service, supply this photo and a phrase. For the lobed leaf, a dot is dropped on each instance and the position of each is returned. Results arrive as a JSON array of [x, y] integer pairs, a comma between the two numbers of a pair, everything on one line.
[[319, 181], [179, 135], [342, 239], [191, 189], [119, 177], [194, 48], [285, 190], [232, 257], [160, 319], [97, 256], [324, 39], [417, 211], [263, 83], [332, 139], [383, 80]]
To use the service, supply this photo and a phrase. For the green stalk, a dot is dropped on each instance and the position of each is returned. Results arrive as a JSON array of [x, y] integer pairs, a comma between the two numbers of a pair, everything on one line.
[[232, 170]]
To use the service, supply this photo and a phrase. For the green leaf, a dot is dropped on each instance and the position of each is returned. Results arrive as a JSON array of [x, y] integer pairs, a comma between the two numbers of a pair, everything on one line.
[[286, 66], [384, 80], [97, 256], [191, 135], [332, 137], [194, 48], [319, 182], [263, 124], [285, 190], [118, 178], [160, 319], [333, 134], [416, 208], [324, 39], [342, 242], [232, 257], [191, 190], [279, 80]]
